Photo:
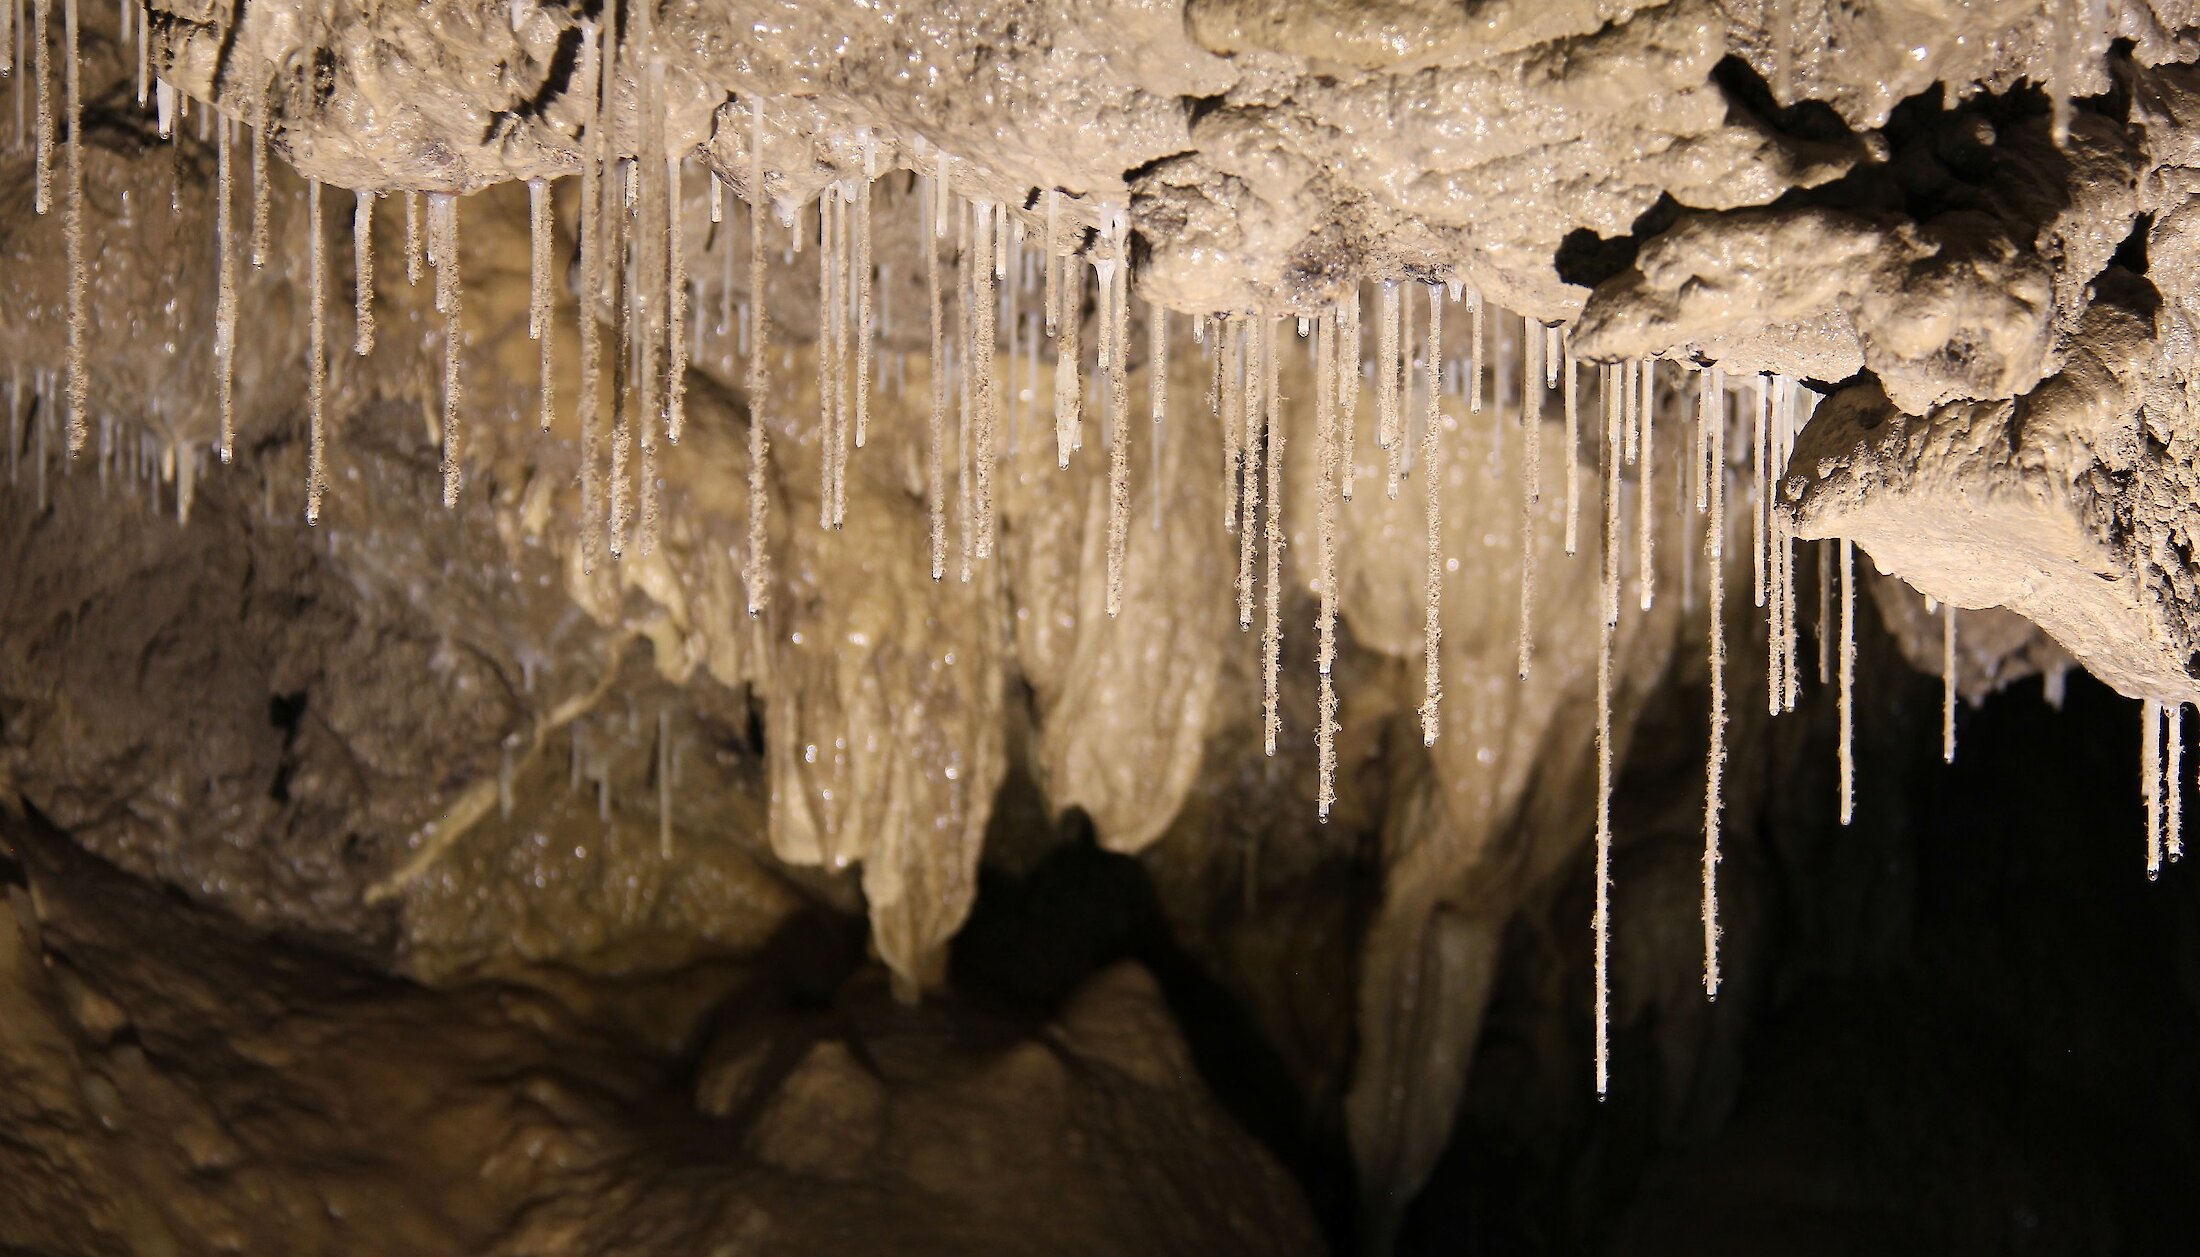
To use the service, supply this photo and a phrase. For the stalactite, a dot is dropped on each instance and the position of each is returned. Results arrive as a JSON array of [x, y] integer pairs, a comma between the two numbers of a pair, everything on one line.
[[676, 303], [1347, 371], [1570, 380], [1615, 419], [79, 383], [1069, 391], [316, 354], [756, 570], [42, 71], [1761, 404], [1607, 620], [1825, 613], [1645, 414], [960, 373], [20, 67], [589, 403], [985, 402], [262, 177], [412, 237], [1948, 683], [1533, 381], [1847, 564], [936, 430], [1790, 672], [1432, 628], [1715, 759], [443, 226], [828, 356], [1157, 380], [1052, 251], [1119, 436], [362, 257], [1272, 629], [964, 351], [1328, 473], [611, 276], [225, 293], [617, 225], [863, 297], [1253, 339], [539, 301], [2173, 764], [1229, 350], [1476, 342], [2150, 769], [1386, 384]]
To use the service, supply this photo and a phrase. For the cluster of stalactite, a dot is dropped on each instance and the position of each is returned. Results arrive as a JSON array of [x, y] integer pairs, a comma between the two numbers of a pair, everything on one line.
[[1008, 288]]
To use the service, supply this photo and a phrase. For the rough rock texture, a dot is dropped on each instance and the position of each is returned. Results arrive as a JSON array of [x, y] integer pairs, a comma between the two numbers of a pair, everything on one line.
[[449, 746], [175, 1083]]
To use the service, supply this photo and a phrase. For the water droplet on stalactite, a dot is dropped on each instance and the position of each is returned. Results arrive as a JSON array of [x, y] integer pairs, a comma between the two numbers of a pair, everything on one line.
[[1388, 369], [79, 383], [1328, 473], [1847, 565], [2150, 769], [1535, 377], [225, 291], [316, 355], [1714, 548], [1948, 683], [1569, 381], [1432, 629], [42, 71], [1252, 342], [443, 226], [1272, 626], [756, 570], [1646, 533]]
